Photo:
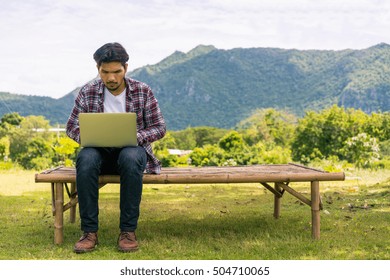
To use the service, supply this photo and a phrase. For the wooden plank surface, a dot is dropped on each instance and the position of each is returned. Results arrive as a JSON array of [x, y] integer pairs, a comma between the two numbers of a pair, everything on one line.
[[193, 175]]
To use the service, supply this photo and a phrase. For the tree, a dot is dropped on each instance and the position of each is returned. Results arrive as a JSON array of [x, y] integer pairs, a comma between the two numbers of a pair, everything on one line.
[[25, 139], [378, 126], [168, 142], [32, 124], [65, 150], [193, 137], [262, 154], [161, 150], [362, 150], [269, 126], [8, 123], [208, 155], [231, 142], [11, 118], [4, 147], [324, 134], [235, 148], [37, 155]]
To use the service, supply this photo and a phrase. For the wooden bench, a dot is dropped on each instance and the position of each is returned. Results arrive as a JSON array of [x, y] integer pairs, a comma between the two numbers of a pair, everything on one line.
[[276, 178]]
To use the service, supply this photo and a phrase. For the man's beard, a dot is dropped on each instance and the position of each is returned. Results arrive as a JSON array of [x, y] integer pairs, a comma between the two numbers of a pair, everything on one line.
[[112, 86]]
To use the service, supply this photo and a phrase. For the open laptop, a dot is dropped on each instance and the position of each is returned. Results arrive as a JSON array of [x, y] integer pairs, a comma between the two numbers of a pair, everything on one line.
[[108, 129]]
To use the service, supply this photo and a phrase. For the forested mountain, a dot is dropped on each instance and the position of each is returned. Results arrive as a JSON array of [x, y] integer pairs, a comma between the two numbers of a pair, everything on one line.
[[214, 87]]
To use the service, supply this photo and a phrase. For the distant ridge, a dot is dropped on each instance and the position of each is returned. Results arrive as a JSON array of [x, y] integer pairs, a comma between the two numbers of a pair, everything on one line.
[[213, 87]]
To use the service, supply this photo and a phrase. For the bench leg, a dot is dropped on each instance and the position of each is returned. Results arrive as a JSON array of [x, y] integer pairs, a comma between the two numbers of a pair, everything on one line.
[[277, 202], [72, 209], [315, 209], [59, 213]]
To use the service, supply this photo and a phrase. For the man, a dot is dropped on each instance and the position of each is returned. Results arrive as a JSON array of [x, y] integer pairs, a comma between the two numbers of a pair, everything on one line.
[[114, 92]]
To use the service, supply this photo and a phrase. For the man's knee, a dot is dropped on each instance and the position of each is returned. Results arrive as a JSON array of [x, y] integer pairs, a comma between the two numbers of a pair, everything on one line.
[[88, 158], [133, 158]]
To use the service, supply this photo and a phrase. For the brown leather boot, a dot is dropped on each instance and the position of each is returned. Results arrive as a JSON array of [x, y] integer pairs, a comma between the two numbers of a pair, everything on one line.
[[127, 242], [86, 243]]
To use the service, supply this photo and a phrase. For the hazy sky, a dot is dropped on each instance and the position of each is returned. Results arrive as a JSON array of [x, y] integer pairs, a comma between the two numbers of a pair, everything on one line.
[[47, 45]]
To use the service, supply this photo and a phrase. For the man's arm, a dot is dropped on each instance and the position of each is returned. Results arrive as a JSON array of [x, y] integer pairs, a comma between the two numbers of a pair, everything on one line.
[[154, 123], [72, 126]]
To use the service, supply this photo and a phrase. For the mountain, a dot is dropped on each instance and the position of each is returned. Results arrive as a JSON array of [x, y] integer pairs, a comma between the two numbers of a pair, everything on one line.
[[221, 87], [56, 110], [214, 87]]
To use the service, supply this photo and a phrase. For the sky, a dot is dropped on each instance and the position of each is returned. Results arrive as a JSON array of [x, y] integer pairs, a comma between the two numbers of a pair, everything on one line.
[[47, 45]]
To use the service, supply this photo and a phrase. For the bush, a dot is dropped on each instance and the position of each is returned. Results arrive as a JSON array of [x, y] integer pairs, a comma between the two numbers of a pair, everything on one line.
[[209, 155], [381, 164], [331, 164], [7, 165], [169, 160], [362, 149], [40, 163], [277, 155]]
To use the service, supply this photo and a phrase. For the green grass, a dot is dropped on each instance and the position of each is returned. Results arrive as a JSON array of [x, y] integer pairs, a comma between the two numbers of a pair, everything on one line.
[[207, 222]]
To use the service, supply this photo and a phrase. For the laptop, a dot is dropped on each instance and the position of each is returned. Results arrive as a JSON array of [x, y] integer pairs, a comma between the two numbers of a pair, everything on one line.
[[108, 129]]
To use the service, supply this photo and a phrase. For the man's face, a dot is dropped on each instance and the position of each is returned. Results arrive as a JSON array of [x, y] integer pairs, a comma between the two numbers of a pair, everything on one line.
[[112, 74]]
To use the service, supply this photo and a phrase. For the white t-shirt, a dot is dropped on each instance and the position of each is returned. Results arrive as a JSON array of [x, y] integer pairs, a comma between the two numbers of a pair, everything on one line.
[[114, 104]]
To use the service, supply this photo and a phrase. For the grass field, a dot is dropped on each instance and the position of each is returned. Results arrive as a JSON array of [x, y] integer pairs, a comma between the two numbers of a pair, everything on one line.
[[207, 222]]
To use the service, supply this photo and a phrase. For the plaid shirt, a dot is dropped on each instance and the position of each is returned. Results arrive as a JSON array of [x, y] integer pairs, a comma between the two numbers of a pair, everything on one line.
[[139, 99]]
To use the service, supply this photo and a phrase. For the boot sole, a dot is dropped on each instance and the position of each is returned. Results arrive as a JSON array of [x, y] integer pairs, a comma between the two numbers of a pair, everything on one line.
[[81, 251], [127, 250]]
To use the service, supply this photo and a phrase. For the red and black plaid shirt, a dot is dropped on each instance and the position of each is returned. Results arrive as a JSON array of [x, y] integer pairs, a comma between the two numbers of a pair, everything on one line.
[[139, 99]]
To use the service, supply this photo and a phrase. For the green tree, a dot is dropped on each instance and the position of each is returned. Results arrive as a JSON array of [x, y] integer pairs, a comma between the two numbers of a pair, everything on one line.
[[161, 150], [29, 148], [324, 134], [269, 126], [65, 151], [235, 148], [18, 144], [378, 126], [231, 142], [33, 124], [38, 154], [265, 154], [277, 155], [362, 150], [9, 122], [193, 137], [208, 155], [11, 118], [168, 142], [4, 147]]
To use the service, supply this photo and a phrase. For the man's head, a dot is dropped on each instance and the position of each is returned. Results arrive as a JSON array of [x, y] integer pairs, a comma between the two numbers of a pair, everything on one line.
[[111, 52], [111, 60]]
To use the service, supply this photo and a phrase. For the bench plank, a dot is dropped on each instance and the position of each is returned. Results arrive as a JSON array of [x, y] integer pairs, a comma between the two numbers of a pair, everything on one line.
[[202, 175]]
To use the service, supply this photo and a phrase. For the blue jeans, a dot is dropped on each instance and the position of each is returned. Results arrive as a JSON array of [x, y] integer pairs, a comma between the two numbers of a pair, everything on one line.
[[129, 163]]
